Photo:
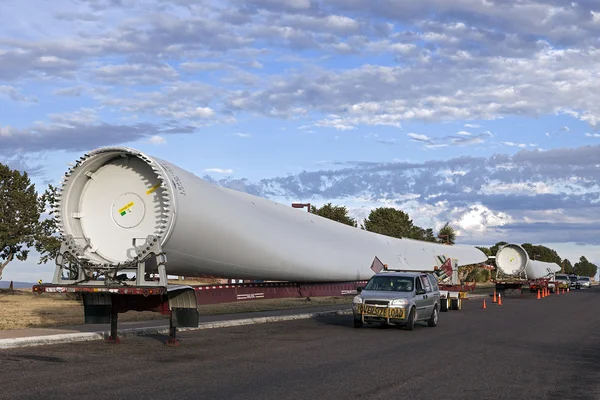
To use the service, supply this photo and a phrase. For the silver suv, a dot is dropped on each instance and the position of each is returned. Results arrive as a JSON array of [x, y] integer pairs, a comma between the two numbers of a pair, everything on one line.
[[398, 298]]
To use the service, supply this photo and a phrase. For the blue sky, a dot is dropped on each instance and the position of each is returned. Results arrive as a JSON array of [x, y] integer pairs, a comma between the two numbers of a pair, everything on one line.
[[484, 114]]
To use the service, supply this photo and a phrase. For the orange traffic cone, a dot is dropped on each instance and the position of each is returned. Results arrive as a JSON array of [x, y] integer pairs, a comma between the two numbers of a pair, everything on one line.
[[493, 301], [563, 290], [484, 306], [499, 299], [538, 294]]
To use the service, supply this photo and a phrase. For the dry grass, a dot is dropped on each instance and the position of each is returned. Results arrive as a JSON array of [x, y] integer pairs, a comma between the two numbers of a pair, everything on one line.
[[272, 304], [22, 308]]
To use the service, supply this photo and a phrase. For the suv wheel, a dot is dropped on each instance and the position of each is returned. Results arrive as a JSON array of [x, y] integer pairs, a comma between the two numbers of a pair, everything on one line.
[[410, 321], [358, 322], [433, 321]]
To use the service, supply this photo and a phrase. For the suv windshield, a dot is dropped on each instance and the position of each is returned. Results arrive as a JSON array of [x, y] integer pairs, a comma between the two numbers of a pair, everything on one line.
[[573, 278], [584, 278], [391, 283]]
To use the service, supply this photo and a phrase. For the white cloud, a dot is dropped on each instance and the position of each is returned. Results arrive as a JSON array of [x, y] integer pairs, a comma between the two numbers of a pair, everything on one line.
[[218, 170], [150, 49], [203, 112], [156, 139], [521, 188], [419, 137], [243, 135], [478, 218], [14, 94], [513, 144]]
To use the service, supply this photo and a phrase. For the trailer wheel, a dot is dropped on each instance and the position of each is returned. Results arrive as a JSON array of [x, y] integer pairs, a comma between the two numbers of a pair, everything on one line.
[[410, 322], [444, 305], [433, 321], [456, 304]]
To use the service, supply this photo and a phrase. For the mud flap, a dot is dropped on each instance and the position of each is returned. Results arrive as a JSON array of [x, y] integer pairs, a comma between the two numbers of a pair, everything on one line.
[[184, 307], [185, 317], [96, 308]]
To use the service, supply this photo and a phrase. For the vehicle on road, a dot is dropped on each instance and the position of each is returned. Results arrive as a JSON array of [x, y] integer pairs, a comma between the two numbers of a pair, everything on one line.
[[574, 282], [398, 298], [562, 281], [585, 282], [517, 272]]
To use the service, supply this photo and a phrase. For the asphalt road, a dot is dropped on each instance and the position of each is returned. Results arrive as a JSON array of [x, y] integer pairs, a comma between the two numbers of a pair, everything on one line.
[[524, 349]]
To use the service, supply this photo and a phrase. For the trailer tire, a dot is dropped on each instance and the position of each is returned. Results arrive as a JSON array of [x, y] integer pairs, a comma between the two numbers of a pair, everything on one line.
[[444, 305], [410, 321], [456, 304], [433, 321]]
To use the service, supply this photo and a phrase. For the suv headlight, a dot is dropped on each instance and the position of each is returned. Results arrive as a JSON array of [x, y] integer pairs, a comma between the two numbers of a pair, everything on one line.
[[399, 302], [357, 300]]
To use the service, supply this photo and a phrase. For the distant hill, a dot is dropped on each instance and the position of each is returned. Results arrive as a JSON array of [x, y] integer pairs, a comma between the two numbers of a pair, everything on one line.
[[16, 285]]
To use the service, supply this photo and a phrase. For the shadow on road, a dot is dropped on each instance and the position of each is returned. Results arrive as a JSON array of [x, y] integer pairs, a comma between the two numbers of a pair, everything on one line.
[[33, 357], [346, 321]]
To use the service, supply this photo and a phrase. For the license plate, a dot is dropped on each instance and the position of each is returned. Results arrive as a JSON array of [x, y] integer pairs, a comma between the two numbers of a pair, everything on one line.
[[383, 312]]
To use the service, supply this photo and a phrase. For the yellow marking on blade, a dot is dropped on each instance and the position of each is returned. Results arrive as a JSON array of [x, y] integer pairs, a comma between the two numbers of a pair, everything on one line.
[[153, 188], [127, 207]]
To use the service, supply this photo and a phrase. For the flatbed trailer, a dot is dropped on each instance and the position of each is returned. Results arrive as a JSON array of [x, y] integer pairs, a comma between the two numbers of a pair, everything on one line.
[[508, 285], [102, 304]]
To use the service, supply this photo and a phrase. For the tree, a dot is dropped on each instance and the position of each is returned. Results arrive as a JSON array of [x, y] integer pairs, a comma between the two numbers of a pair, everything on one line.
[[426, 235], [447, 234], [390, 222], [335, 213], [47, 242], [19, 215], [485, 250], [585, 268], [542, 253], [566, 266]]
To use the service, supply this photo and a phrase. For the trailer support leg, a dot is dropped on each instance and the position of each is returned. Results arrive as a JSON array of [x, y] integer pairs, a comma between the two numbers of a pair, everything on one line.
[[172, 340], [114, 316]]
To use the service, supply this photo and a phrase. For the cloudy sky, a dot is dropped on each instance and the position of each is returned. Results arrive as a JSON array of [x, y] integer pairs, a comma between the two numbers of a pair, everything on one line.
[[481, 113]]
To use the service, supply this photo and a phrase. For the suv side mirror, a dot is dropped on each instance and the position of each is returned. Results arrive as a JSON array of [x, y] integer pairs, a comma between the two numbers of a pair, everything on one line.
[[359, 289], [421, 291]]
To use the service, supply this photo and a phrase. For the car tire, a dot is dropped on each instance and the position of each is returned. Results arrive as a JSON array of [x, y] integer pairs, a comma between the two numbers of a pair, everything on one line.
[[410, 321], [433, 321], [358, 322]]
